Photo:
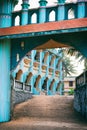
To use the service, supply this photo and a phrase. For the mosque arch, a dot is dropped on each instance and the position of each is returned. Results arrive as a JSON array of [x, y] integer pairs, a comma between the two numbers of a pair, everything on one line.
[[28, 78], [37, 56], [58, 86], [52, 16], [34, 18], [52, 60], [36, 85], [71, 13], [19, 74], [17, 20], [51, 85], [45, 57], [44, 86]]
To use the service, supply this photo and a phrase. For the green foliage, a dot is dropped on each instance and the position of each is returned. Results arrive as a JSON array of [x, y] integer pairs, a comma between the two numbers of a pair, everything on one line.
[[71, 91]]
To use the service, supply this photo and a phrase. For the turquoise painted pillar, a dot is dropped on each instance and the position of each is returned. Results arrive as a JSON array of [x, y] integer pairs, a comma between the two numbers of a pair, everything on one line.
[[5, 20], [53, 93], [40, 85], [6, 7], [40, 67], [47, 87], [5, 89], [32, 84], [24, 15], [32, 61], [81, 9], [54, 65], [42, 11], [47, 66], [61, 12], [61, 88], [61, 1]]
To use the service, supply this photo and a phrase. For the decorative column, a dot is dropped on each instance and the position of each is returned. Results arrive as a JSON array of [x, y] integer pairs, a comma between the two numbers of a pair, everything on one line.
[[40, 67], [42, 11], [61, 1], [61, 10], [24, 15], [81, 9], [5, 87]]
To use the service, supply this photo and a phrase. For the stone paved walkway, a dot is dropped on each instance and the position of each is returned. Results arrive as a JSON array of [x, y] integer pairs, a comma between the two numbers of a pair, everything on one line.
[[45, 113]]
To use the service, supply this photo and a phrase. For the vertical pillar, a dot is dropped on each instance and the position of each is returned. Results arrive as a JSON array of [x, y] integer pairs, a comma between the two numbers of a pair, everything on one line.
[[61, 79], [61, 1], [54, 66], [47, 87], [47, 73], [31, 70], [42, 11], [61, 88], [5, 89], [40, 67], [81, 9], [61, 12], [24, 15], [32, 86], [40, 86]]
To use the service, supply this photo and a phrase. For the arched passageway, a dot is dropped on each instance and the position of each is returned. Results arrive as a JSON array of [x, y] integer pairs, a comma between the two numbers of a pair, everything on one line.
[[49, 38], [75, 39]]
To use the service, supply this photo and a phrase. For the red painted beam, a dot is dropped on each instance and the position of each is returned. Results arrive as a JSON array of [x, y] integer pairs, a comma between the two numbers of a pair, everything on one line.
[[58, 25]]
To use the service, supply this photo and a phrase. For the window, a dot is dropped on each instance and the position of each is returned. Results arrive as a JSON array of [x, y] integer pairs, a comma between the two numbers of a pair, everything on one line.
[[70, 83]]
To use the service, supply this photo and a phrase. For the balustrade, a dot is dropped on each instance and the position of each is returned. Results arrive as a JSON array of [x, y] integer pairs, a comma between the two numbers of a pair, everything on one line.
[[59, 12], [22, 86]]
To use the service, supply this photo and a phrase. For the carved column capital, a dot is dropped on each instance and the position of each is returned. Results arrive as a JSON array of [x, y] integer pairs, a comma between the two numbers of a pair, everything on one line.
[[25, 4], [43, 2]]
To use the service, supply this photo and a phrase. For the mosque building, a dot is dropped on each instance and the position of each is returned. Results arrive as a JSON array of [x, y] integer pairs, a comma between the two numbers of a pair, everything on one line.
[[39, 72]]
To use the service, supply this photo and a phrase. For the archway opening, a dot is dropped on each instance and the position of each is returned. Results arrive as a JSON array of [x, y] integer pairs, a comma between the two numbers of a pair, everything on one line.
[[71, 14], [34, 18], [36, 85], [18, 75], [28, 79], [17, 20], [52, 16]]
